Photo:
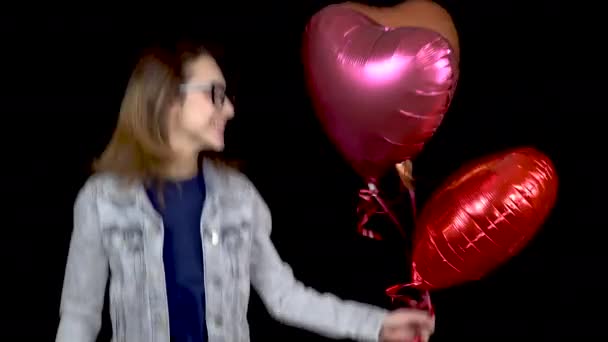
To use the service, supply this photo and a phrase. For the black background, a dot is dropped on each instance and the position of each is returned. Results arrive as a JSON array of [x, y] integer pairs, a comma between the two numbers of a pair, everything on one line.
[[67, 67]]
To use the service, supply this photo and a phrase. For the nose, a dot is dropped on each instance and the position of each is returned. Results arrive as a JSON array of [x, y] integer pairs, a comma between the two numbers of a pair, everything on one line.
[[228, 109]]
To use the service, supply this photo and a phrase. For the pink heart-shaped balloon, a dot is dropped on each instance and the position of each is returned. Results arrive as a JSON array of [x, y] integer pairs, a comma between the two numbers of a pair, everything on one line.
[[379, 92]]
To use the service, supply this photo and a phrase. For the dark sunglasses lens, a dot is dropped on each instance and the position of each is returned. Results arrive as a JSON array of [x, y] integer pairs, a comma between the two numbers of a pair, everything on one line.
[[218, 95]]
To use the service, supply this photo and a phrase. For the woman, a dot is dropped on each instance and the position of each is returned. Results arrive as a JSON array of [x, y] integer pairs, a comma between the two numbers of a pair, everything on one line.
[[181, 239]]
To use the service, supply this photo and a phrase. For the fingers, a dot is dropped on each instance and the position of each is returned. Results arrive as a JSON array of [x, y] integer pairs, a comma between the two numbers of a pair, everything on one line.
[[407, 325], [417, 318], [401, 334], [407, 336], [425, 335]]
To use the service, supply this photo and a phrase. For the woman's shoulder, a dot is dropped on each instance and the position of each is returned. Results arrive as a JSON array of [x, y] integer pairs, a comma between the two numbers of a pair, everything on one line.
[[108, 180], [225, 175], [107, 185]]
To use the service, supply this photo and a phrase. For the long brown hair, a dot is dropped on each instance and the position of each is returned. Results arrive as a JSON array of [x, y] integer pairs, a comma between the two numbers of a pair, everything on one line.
[[139, 149]]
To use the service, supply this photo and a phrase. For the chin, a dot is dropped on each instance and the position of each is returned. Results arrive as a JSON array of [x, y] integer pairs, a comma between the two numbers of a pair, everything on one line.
[[214, 146], [218, 148], [212, 142]]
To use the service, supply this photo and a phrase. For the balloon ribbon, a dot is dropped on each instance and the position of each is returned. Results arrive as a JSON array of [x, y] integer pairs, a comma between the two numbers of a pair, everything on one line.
[[404, 170], [370, 205], [396, 297]]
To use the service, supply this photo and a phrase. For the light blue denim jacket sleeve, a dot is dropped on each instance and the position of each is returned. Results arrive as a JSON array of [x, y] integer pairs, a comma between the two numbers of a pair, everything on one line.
[[291, 302], [86, 274]]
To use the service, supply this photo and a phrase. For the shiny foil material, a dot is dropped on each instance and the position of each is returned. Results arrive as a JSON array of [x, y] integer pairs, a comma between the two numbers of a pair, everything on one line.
[[483, 215], [380, 92]]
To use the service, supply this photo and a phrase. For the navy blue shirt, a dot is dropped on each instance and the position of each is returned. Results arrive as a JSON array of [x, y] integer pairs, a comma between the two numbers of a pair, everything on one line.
[[181, 210]]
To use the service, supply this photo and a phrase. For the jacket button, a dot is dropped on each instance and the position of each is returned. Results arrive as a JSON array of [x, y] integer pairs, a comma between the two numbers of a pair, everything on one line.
[[215, 238], [161, 321], [218, 321]]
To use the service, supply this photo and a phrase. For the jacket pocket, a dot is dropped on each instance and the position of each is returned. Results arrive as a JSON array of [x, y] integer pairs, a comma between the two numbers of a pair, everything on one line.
[[236, 243], [236, 246]]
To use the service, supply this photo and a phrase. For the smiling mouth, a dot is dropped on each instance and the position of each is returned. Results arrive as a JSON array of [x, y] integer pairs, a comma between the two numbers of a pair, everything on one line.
[[219, 126]]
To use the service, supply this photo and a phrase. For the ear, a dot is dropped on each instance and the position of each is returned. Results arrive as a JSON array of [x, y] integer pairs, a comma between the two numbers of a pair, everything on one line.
[[175, 109]]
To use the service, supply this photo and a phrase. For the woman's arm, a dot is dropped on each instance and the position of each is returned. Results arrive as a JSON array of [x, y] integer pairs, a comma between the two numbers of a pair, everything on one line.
[[86, 274], [291, 302]]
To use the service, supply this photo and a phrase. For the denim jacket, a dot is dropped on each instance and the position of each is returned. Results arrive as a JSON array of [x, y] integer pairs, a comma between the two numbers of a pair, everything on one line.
[[118, 236]]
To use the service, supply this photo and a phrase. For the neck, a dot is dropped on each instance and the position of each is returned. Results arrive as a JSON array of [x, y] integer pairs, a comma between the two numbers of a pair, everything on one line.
[[182, 168]]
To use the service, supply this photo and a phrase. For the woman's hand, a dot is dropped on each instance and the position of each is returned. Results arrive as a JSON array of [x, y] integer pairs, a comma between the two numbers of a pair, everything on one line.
[[404, 325]]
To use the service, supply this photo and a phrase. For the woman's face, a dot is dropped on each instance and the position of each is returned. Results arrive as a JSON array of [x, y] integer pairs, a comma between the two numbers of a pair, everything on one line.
[[198, 122]]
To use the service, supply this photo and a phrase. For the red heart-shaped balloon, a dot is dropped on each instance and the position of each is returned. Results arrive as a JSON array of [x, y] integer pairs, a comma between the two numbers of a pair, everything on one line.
[[379, 92], [484, 214]]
